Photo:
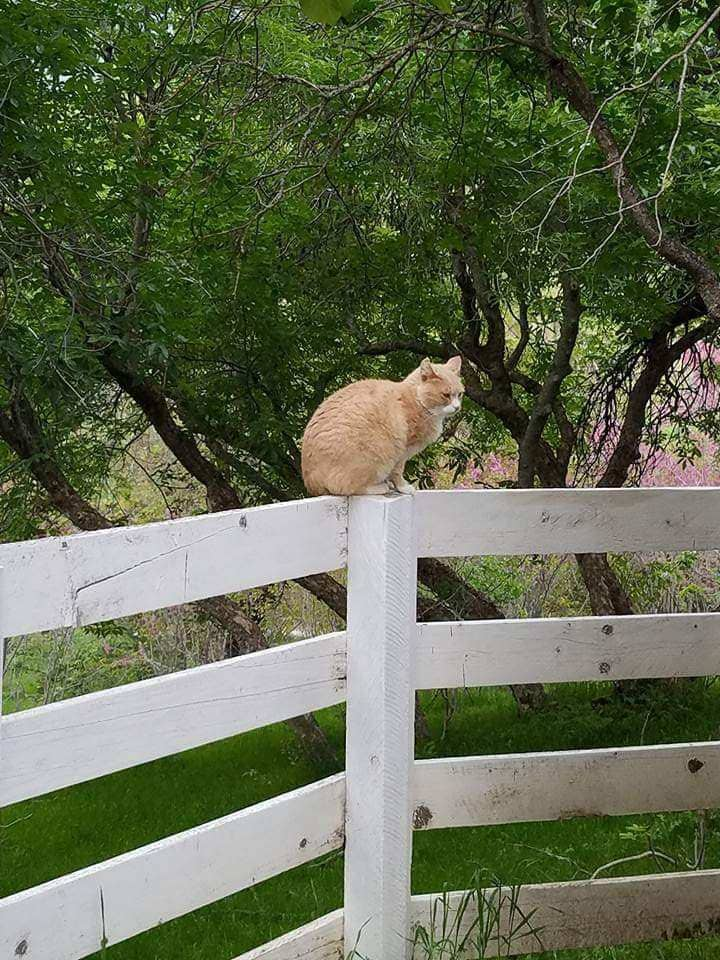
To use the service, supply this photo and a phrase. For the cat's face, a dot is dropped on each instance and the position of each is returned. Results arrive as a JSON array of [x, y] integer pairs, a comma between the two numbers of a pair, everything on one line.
[[441, 389]]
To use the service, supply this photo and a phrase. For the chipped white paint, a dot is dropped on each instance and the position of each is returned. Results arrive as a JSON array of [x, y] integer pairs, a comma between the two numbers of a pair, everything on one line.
[[504, 522], [63, 919], [380, 633], [90, 577], [76, 740], [320, 940], [507, 788], [486, 653], [589, 913]]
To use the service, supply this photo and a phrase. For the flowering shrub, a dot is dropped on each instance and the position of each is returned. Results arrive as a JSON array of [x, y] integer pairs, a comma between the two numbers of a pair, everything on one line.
[[494, 470], [664, 469]]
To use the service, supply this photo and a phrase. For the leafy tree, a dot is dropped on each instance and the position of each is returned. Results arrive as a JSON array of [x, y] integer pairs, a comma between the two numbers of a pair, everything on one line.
[[213, 215]]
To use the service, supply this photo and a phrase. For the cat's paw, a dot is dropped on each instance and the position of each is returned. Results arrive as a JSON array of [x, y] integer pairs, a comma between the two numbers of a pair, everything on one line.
[[378, 489], [405, 487]]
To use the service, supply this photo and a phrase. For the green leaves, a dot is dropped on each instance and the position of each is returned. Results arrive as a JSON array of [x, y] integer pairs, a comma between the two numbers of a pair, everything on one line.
[[326, 11], [616, 17], [288, 226], [330, 11]]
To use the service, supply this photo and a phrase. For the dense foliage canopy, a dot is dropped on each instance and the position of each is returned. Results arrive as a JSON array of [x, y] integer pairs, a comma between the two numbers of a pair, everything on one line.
[[214, 213], [235, 208]]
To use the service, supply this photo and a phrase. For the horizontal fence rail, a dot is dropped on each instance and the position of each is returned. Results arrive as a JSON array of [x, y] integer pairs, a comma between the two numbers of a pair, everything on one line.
[[55, 746], [558, 785], [72, 917], [487, 653], [540, 917], [91, 577], [460, 523], [589, 913], [76, 740], [323, 939]]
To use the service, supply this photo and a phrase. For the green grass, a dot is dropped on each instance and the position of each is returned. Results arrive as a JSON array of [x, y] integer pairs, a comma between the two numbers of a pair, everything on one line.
[[50, 836]]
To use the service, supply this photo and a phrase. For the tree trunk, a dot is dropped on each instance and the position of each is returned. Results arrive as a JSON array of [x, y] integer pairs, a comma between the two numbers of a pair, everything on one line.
[[328, 590], [469, 604], [607, 599], [21, 430], [245, 636]]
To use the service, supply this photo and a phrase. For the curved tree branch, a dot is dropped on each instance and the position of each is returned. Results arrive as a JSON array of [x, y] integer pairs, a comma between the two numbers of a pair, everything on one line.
[[548, 397], [568, 81]]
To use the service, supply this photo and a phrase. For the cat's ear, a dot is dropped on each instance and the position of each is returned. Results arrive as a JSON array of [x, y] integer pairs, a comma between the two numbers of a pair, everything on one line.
[[426, 370], [454, 364]]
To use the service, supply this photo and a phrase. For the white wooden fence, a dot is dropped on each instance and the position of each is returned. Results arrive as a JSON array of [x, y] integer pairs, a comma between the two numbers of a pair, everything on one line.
[[375, 665]]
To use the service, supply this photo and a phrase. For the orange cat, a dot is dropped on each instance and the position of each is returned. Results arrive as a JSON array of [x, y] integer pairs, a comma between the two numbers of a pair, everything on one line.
[[360, 437]]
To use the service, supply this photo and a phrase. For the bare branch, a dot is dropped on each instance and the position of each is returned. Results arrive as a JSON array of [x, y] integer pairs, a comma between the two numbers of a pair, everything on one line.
[[549, 394], [524, 338], [661, 356], [568, 81]]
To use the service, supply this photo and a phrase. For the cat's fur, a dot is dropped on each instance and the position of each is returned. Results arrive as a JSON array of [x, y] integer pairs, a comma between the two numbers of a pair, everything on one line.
[[360, 437]]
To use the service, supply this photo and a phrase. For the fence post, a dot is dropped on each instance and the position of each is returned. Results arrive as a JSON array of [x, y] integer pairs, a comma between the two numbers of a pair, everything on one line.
[[381, 628]]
